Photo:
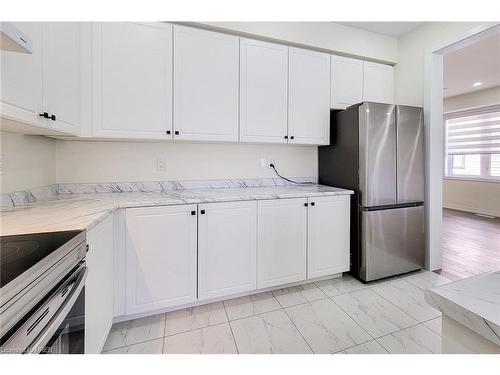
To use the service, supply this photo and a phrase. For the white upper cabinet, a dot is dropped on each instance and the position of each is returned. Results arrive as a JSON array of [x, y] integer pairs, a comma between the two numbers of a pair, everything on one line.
[[227, 248], [21, 83], [378, 83], [160, 257], [347, 82], [43, 88], [61, 75], [308, 97], [328, 235], [282, 234], [263, 91], [206, 86], [132, 80]]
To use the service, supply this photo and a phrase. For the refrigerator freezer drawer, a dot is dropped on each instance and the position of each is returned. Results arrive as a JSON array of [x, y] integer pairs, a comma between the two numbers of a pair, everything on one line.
[[392, 242]]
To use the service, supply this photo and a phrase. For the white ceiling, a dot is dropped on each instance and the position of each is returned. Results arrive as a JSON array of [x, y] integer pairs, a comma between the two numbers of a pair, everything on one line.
[[395, 29], [479, 62]]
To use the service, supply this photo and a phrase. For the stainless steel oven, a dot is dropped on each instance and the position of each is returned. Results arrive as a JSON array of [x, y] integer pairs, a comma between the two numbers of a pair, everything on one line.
[[42, 295]]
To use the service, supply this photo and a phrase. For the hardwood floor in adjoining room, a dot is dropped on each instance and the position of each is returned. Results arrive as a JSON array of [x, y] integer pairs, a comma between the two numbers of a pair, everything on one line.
[[471, 244]]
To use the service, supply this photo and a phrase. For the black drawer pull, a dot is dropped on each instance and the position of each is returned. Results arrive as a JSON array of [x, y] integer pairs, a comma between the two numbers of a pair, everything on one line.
[[202, 212], [193, 213], [286, 136], [176, 132], [53, 117], [168, 131], [305, 204], [44, 115], [292, 137], [312, 203]]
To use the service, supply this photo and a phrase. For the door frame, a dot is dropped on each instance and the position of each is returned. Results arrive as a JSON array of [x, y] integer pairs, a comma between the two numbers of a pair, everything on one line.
[[434, 136]]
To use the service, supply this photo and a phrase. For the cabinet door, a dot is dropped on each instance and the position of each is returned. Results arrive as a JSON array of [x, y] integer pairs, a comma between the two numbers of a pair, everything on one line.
[[309, 97], [21, 83], [227, 247], [263, 91], [281, 249], [61, 75], [161, 257], [378, 81], [205, 85], [347, 82], [99, 286], [328, 236], [132, 75]]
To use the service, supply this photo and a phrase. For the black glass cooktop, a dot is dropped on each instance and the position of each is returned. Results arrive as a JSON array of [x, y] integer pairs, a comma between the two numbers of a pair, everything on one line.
[[19, 253]]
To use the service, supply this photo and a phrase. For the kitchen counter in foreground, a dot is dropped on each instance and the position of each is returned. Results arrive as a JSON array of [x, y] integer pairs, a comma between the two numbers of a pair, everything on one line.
[[83, 211], [471, 313]]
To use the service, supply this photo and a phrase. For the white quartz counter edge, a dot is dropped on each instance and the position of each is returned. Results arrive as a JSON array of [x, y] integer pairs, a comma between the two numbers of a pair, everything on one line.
[[84, 211], [472, 302]]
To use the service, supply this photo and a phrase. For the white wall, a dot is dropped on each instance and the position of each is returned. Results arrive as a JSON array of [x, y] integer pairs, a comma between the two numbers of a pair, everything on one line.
[[473, 196], [28, 161], [475, 99], [324, 35], [409, 71], [90, 161]]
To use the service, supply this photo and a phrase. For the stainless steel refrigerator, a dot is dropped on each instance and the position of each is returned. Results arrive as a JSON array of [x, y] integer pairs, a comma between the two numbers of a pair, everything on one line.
[[377, 150]]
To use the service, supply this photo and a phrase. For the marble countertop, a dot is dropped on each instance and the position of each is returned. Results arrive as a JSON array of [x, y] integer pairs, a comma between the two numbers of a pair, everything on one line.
[[83, 211], [473, 302]]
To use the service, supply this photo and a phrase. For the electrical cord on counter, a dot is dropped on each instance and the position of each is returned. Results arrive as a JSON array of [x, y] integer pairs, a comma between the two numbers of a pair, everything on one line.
[[287, 179]]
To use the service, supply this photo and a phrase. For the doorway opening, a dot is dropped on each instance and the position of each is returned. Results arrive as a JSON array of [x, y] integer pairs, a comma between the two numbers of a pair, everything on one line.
[[470, 183]]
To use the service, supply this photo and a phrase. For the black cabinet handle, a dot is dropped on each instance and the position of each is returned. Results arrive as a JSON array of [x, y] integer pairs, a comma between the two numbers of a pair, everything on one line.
[[46, 115], [312, 203], [168, 131], [193, 213], [176, 132], [202, 212], [286, 136], [305, 204], [292, 137]]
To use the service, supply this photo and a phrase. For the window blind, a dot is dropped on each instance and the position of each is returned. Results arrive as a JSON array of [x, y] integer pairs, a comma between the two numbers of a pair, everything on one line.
[[473, 132]]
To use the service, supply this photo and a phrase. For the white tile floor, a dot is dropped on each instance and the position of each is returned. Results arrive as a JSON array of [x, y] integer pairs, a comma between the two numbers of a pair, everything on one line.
[[339, 315]]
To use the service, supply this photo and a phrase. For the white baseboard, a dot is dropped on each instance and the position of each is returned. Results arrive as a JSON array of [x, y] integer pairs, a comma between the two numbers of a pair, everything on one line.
[[474, 210]]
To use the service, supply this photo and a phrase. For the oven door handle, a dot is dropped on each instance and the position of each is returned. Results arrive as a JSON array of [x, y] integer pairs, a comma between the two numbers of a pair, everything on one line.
[[43, 338], [35, 333]]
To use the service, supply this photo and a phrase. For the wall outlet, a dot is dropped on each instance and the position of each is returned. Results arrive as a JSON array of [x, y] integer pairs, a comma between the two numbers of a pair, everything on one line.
[[265, 162], [161, 164]]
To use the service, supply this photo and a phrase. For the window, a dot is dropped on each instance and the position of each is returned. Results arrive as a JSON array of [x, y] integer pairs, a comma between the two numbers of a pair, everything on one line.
[[473, 143]]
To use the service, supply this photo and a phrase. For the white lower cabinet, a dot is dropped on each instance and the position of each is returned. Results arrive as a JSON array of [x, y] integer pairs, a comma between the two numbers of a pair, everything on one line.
[[161, 262], [185, 254], [227, 247], [99, 286], [328, 236], [282, 234]]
